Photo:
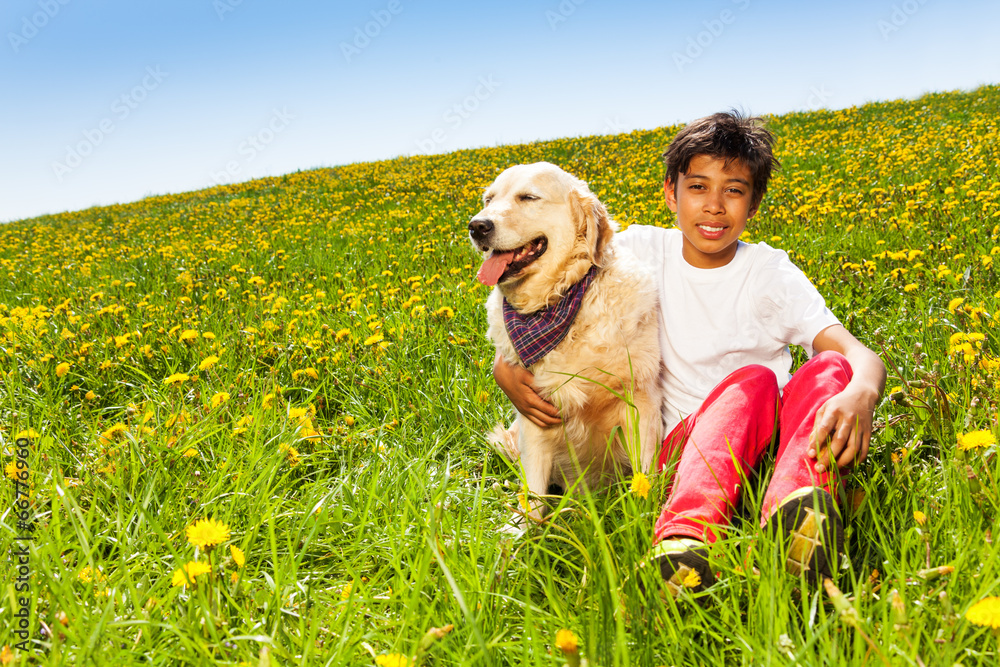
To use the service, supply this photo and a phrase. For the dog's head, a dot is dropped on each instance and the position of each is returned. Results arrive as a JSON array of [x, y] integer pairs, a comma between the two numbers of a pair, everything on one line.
[[540, 231]]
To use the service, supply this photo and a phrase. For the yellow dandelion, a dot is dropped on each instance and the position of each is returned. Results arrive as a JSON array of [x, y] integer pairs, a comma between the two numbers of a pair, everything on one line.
[[91, 575], [640, 485], [290, 452], [374, 338], [985, 612], [307, 432], [566, 641], [208, 362], [90, 395], [444, 311], [976, 440], [692, 580], [186, 575], [911, 287], [10, 470], [219, 398], [29, 433], [207, 533], [349, 420], [176, 378], [919, 517], [184, 417], [954, 304], [238, 556], [311, 372], [188, 335], [190, 452], [115, 433], [392, 660], [522, 501], [62, 369], [345, 592], [343, 334]]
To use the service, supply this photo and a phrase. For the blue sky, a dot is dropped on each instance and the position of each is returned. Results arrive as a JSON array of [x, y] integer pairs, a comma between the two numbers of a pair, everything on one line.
[[109, 101]]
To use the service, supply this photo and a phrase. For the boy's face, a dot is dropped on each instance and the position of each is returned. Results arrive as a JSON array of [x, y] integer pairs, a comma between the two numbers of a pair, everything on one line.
[[713, 203]]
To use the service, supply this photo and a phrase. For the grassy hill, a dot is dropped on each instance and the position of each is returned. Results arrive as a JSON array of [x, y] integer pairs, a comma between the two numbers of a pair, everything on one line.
[[303, 360]]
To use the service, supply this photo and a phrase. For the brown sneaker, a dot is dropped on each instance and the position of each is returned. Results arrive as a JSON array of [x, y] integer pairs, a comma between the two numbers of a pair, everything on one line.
[[683, 563], [815, 533]]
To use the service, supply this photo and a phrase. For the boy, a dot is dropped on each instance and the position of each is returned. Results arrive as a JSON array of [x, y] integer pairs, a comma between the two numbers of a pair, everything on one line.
[[729, 311]]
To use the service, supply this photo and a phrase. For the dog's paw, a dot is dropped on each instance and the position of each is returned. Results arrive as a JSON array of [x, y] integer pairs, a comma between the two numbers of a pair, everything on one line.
[[505, 442], [515, 528]]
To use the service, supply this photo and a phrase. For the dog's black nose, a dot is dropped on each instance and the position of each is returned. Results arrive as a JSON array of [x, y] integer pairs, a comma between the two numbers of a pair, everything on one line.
[[480, 228]]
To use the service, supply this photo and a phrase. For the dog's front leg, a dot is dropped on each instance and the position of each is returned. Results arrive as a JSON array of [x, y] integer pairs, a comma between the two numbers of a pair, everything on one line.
[[650, 432], [536, 461]]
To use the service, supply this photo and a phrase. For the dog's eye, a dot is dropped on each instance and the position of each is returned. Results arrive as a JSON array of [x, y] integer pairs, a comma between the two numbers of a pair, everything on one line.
[[527, 197], [487, 200]]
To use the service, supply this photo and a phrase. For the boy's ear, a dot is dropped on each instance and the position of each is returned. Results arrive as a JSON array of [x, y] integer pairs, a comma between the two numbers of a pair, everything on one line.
[[593, 223], [670, 194]]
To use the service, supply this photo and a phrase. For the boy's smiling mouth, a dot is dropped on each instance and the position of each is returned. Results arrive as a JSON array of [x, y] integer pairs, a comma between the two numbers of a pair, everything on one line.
[[712, 231]]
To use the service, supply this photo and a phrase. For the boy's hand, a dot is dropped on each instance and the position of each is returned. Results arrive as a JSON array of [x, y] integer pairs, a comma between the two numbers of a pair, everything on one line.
[[843, 429], [516, 382], [843, 426]]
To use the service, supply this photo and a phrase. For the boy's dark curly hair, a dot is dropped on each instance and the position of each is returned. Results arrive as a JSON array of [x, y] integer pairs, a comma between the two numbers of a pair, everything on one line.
[[730, 136]]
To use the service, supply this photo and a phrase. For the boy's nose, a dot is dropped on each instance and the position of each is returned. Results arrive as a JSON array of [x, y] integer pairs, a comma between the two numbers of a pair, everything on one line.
[[714, 203]]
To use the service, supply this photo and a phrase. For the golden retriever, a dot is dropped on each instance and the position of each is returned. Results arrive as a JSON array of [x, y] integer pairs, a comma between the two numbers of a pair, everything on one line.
[[540, 232]]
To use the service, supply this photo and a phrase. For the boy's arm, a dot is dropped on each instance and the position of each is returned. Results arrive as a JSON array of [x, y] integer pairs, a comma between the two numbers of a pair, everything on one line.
[[844, 423], [516, 382]]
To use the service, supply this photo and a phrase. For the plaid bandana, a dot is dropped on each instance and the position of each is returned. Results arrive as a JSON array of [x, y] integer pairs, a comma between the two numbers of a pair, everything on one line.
[[536, 334]]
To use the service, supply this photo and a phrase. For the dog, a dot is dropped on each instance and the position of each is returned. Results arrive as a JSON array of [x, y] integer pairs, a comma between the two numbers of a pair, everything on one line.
[[547, 242]]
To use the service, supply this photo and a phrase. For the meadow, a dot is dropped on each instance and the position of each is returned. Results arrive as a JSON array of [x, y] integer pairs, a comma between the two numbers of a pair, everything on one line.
[[251, 421]]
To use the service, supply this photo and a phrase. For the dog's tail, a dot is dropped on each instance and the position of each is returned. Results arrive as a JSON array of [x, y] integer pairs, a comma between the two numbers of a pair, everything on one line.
[[504, 440]]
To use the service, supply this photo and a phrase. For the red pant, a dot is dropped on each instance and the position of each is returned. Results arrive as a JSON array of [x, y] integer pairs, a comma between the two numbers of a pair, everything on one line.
[[726, 438]]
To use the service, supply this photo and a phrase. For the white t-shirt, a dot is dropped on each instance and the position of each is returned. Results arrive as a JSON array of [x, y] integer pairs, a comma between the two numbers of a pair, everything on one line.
[[716, 321]]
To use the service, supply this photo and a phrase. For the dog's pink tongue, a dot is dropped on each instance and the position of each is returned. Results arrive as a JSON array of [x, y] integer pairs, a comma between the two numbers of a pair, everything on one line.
[[493, 267]]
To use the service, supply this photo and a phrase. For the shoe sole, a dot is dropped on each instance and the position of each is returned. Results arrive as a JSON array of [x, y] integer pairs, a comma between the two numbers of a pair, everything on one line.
[[813, 525], [675, 568]]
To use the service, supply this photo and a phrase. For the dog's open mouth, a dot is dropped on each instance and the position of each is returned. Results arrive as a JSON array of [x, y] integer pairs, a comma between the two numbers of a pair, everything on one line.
[[502, 265]]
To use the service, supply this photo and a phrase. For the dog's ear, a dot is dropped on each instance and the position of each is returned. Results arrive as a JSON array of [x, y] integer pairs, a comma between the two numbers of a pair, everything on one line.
[[592, 223]]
